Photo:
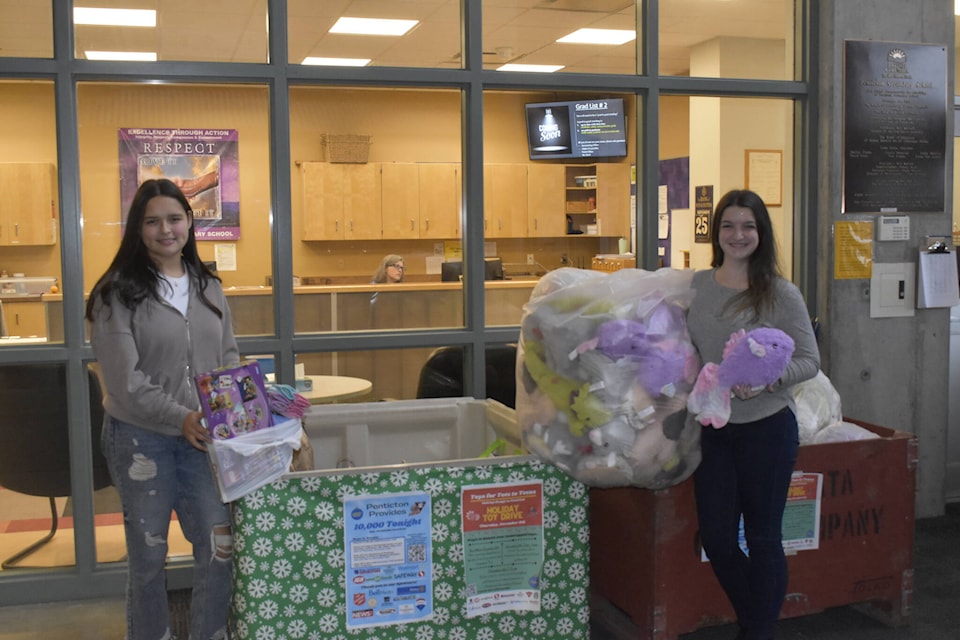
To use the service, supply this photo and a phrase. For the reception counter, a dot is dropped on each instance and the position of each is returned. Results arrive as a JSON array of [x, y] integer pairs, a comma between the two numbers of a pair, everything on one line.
[[327, 308]]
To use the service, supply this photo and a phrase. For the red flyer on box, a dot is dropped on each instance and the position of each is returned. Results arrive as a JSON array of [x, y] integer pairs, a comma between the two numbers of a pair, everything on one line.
[[234, 400]]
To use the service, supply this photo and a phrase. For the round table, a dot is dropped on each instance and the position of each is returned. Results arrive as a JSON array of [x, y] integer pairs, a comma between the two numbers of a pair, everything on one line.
[[335, 388]]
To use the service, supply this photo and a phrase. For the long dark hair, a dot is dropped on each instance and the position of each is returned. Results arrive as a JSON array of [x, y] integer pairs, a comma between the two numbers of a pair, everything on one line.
[[132, 276], [764, 267]]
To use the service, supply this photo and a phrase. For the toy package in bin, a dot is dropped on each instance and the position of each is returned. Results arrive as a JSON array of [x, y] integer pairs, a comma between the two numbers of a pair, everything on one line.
[[604, 368], [234, 400]]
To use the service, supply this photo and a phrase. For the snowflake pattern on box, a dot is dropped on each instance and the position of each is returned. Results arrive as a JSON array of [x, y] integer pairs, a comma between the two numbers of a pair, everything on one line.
[[289, 561]]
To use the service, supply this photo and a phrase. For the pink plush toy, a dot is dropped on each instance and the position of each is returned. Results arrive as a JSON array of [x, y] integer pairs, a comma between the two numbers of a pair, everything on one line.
[[756, 358]]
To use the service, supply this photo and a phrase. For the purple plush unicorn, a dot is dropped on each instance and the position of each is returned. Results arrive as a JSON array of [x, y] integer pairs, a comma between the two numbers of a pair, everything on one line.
[[755, 358]]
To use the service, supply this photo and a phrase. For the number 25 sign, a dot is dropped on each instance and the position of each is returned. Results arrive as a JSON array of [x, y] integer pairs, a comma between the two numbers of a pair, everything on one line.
[[702, 212]]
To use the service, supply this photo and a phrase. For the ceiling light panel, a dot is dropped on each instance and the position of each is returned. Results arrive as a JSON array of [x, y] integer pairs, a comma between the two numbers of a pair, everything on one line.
[[130, 56], [336, 62], [531, 68], [599, 36], [115, 17], [372, 26]]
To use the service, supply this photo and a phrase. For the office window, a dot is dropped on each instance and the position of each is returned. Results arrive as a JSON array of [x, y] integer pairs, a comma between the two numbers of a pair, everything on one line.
[[376, 176], [404, 374], [571, 36], [30, 272], [360, 34], [219, 31], [557, 187], [132, 132], [26, 29], [744, 39]]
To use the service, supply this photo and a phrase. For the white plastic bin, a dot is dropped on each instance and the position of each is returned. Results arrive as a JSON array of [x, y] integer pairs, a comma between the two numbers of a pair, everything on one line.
[[406, 431]]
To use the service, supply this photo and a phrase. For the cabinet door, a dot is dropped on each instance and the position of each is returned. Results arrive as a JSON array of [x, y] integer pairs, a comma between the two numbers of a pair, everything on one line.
[[545, 201], [613, 199], [440, 200], [505, 200], [27, 209], [322, 201], [25, 318], [361, 202], [400, 189]]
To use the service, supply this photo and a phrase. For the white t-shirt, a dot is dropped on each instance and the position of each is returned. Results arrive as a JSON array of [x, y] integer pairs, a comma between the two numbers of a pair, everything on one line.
[[176, 291]]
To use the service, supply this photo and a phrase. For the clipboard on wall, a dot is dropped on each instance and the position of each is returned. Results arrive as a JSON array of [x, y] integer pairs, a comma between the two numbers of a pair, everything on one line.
[[938, 280]]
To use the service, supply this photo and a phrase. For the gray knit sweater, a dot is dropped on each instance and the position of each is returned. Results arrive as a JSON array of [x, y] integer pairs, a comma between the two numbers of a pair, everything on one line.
[[148, 356], [710, 323]]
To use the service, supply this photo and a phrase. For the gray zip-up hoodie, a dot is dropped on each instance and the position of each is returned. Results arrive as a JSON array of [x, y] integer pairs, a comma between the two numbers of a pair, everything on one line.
[[149, 357]]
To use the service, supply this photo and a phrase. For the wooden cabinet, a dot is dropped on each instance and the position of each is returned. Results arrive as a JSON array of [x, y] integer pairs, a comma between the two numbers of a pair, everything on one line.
[[27, 207], [400, 200], [440, 197], [25, 318], [505, 200], [597, 198], [613, 199], [341, 201], [545, 201], [420, 200]]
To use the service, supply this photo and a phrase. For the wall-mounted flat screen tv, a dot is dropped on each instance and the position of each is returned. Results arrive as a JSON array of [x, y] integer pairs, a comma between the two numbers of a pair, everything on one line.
[[577, 129]]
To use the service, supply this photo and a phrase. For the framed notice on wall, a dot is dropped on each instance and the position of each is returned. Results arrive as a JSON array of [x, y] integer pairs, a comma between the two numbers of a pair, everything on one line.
[[763, 171]]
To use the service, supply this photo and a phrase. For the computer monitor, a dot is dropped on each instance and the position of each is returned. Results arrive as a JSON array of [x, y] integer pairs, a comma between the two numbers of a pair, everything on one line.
[[492, 269], [452, 270]]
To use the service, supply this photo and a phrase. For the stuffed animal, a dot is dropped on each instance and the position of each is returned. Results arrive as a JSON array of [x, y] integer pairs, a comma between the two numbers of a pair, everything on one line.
[[756, 358], [575, 399]]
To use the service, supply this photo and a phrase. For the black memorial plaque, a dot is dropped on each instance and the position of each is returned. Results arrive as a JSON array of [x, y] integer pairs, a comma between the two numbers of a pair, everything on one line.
[[895, 127]]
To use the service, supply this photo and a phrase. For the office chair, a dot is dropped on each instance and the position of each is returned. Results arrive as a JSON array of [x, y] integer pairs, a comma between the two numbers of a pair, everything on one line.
[[34, 443], [442, 374]]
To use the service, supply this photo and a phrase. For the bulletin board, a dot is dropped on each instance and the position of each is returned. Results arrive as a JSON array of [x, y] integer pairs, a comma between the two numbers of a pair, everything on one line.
[[289, 554]]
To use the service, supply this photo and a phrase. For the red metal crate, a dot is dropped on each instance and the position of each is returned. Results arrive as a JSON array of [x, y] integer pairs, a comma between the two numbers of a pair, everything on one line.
[[645, 557]]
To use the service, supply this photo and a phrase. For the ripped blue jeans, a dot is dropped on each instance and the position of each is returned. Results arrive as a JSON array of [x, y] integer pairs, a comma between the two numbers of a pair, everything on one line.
[[155, 475]]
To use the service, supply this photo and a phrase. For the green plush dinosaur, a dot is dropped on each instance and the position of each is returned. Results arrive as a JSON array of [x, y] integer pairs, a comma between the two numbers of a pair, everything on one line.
[[583, 409]]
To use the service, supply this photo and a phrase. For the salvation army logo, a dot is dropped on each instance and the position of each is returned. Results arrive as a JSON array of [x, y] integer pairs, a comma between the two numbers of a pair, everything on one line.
[[359, 599]]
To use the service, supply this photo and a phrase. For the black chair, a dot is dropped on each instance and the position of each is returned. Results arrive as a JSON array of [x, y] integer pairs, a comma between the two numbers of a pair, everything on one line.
[[442, 374], [34, 443]]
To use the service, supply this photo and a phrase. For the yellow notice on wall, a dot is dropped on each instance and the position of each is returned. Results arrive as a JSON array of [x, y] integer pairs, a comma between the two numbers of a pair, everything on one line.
[[852, 249], [452, 250]]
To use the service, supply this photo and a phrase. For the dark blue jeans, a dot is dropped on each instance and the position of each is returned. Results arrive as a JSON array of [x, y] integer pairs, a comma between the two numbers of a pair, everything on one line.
[[746, 470]]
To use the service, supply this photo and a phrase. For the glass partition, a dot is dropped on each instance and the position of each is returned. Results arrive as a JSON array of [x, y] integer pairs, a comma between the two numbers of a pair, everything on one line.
[[709, 145], [727, 39], [131, 132], [596, 36], [404, 374], [557, 188], [376, 180], [30, 269], [359, 34], [172, 30], [26, 29]]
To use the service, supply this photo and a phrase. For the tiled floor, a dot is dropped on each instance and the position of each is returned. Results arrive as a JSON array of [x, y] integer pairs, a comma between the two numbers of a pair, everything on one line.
[[935, 616]]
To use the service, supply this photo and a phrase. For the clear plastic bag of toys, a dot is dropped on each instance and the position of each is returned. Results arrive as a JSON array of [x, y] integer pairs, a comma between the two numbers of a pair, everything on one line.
[[604, 367]]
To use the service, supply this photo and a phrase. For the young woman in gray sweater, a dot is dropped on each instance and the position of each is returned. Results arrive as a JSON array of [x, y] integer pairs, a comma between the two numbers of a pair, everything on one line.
[[746, 465]]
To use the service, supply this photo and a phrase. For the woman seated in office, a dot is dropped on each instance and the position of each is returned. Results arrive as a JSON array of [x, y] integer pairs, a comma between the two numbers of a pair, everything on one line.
[[390, 270]]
